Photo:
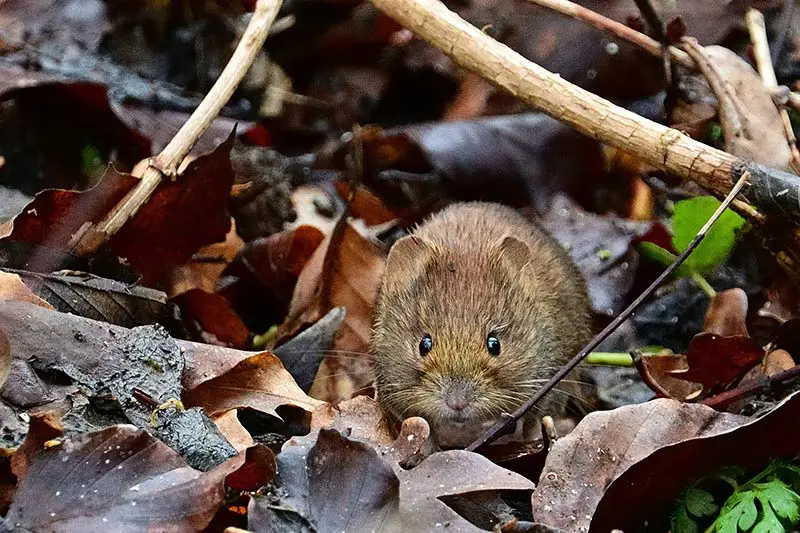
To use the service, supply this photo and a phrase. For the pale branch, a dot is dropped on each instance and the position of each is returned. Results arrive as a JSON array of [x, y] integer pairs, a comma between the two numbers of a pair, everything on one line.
[[653, 47], [758, 35], [169, 160], [773, 191]]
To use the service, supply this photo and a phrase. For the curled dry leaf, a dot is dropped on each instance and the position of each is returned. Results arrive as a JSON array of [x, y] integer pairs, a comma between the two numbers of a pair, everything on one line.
[[717, 362], [259, 382], [347, 277], [715, 359], [727, 314], [117, 479], [604, 444], [670, 469]]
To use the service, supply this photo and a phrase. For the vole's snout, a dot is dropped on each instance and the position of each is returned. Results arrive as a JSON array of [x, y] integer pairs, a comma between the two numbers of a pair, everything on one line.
[[458, 396]]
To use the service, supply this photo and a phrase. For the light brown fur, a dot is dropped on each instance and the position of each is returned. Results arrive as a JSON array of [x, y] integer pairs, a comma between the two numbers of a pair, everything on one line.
[[471, 270]]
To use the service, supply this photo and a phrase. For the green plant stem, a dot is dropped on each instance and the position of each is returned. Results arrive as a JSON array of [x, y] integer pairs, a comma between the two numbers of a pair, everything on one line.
[[609, 359], [704, 284]]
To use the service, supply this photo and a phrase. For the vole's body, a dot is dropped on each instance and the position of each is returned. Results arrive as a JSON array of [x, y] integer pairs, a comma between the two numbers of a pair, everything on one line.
[[471, 272]]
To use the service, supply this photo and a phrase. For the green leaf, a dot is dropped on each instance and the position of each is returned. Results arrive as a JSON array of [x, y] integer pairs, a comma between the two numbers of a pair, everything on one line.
[[681, 522], [655, 253], [691, 215], [780, 497], [700, 502]]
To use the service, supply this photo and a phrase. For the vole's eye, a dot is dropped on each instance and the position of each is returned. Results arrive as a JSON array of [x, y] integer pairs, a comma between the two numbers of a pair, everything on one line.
[[425, 345], [493, 345]]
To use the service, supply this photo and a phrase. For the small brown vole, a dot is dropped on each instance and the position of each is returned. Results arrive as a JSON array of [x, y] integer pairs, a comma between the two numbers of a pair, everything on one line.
[[477, 308]]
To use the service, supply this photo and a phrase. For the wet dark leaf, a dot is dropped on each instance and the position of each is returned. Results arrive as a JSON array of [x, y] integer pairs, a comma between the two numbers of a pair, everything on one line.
[[333, 483], [100, 299], [670, 469], [601, 247], [717, 362], [604, 445], [117, 479]]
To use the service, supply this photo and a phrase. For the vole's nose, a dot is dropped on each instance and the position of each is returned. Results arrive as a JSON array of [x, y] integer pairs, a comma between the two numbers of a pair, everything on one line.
[[458, 395]]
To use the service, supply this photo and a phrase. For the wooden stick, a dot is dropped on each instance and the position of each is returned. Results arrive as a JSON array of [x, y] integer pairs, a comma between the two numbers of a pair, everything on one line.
[[167, 162], [571, 9]]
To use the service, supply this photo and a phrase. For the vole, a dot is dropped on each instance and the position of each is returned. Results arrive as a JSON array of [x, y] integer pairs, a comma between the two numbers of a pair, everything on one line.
[[477, 308]]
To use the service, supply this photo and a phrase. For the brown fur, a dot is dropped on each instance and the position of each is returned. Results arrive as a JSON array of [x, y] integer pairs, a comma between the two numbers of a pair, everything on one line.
[[470, 270]]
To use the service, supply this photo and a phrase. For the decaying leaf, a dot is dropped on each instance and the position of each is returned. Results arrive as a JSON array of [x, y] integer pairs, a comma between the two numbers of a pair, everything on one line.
[[117, 479], [670, 469], [180, 217], [333, 483], [604, 444]]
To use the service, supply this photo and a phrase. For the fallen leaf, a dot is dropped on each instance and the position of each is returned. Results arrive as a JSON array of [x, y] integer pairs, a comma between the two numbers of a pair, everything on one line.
[[601, 247], [100, 299], [180, 217], [605, 444], [727, 314], [333, 483], [259, 382], [716, 361], [117, 479], [260, 281], [670, 469], [210, 318], [258, 469]]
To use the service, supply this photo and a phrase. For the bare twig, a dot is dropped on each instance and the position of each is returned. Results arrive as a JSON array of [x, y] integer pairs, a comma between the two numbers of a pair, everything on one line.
[[782, 379], [758, 34], [509, 422], [655, 23], [571, 9], [168, 161]]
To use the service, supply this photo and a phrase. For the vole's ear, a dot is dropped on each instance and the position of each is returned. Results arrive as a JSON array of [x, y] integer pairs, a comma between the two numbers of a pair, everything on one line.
[[515, 252], [407, 260]]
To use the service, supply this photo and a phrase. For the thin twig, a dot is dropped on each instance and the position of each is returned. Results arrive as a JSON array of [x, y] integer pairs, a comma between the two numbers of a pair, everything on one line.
[[758, 34], [571, 9], [509, 422], [168, 161], [655, 23], [765, 384]]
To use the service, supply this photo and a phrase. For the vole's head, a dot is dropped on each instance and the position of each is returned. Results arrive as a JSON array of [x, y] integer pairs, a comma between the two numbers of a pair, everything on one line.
[[460, 337]]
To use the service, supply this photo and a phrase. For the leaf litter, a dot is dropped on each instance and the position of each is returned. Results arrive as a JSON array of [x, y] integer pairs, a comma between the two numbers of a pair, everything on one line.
[[210, 368]]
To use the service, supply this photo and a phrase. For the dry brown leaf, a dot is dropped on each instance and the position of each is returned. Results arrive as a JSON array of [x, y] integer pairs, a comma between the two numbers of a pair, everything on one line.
[[604, 444], [259, 382]]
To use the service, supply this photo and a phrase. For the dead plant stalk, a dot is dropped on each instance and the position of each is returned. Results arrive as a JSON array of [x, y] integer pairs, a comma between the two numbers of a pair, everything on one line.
[[168, 161]]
